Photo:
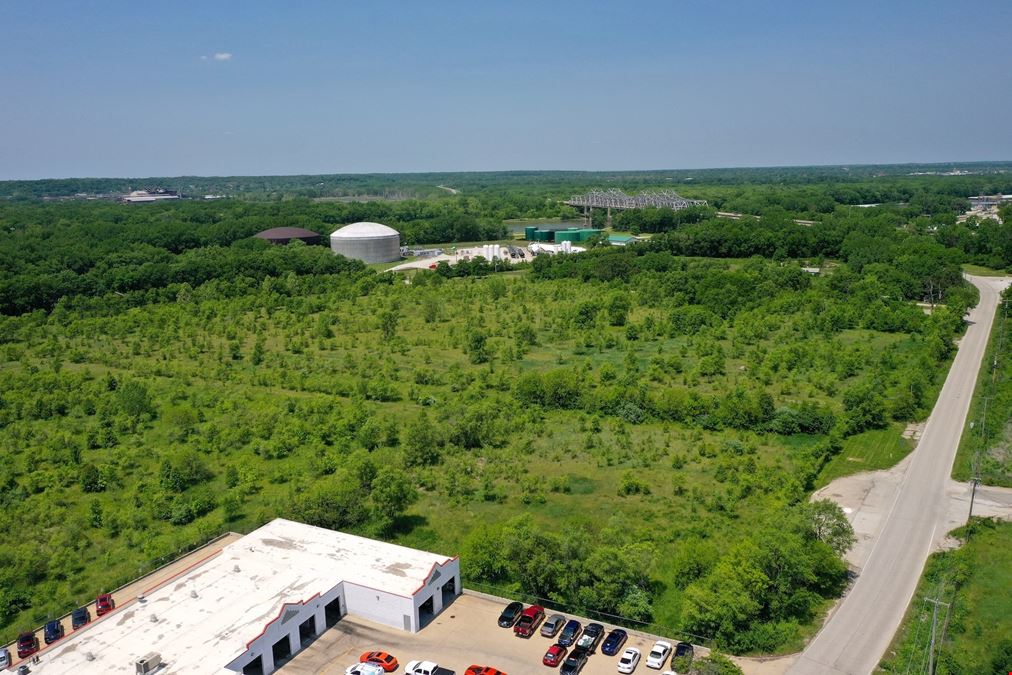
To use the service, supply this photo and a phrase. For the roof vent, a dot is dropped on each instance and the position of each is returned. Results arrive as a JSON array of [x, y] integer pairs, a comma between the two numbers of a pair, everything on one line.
[[89, 656], [148, 663], [235, 568], [193, 594], [154, 618], [141, 598]]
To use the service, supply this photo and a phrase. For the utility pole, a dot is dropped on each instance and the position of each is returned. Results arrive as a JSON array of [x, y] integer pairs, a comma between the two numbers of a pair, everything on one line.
[[934, 622]]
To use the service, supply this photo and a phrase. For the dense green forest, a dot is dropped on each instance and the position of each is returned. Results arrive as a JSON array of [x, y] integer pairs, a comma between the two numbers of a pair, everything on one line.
[[983, 178], [617, 432], [54, 251]]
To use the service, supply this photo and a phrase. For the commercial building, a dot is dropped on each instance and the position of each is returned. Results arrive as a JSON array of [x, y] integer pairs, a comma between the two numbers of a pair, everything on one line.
[[252, 606], [368, 242]]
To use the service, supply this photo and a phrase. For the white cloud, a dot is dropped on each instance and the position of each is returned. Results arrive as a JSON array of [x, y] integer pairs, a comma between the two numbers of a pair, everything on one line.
[[223, 56]]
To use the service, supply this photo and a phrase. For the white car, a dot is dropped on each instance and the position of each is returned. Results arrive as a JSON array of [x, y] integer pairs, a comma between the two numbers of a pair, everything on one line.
[[659, 654], [364, 669], [629, 660], [5, 658]]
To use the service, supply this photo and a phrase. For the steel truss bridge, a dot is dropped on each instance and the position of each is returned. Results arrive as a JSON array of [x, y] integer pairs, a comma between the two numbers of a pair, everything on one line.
[[616, 199]]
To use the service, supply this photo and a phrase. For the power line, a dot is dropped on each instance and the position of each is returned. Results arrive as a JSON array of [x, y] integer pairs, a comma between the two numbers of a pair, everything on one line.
[[934, 622]]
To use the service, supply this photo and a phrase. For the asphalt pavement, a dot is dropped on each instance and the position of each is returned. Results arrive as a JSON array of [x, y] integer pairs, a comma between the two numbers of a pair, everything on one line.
[[858, 633]]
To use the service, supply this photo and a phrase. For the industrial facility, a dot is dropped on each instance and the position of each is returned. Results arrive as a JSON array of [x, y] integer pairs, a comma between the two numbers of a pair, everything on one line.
[[284, 235], [368, 242], [559, 235], [260, 600]]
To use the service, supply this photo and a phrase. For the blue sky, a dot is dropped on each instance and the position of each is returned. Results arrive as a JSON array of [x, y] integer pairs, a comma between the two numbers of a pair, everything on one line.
[[135, 89]]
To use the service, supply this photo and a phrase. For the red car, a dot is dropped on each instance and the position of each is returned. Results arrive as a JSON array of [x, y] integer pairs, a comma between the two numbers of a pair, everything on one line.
[[104, 604], [482, 670], [383, 659], [529, 621], [554, 656], [28, 644]]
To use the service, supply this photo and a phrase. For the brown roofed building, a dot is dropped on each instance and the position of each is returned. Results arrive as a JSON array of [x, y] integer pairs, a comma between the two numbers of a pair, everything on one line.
[[283, 235]]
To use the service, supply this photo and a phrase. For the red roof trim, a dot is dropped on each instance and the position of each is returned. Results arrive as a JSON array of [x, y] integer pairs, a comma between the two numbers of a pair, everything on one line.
[[301, 603], [431, 570]]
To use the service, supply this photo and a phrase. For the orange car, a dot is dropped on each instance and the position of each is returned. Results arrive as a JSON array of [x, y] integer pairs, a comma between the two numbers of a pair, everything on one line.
[[387, 662], [482, 670]]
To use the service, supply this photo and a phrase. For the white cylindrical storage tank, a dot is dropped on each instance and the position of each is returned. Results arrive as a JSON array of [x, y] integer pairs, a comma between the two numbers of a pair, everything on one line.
[[368, 242], [498, 251]]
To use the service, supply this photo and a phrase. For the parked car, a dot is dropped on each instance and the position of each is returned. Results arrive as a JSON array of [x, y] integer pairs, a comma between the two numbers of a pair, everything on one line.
[[591, 637], [574, 664], [364, 669], [570, 632], [683, 649], [28, 644], [104, 604], [529, 621], [382, 659], [483, 670], [629, 660], [659, 654], [425, 668], [53, 631], [555, 655], [616, 638], [5, 658], [552, 625], [79, 617], [510, 614]]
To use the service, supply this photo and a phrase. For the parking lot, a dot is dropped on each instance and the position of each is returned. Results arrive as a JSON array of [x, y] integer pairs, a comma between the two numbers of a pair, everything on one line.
[[465, 633]]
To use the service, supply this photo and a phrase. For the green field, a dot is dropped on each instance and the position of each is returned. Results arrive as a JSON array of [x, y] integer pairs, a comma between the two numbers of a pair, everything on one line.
[[974, 634], [868, 451]]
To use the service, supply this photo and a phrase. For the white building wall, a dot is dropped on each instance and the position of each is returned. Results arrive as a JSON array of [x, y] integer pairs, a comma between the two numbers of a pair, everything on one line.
[[263, 646], [433, 588], [380, 606]]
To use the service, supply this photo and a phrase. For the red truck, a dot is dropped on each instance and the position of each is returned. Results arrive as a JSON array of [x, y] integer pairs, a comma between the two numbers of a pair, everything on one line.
[[529, 621]]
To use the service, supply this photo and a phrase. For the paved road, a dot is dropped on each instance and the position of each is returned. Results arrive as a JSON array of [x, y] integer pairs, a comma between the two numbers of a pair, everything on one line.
[[855, 638]]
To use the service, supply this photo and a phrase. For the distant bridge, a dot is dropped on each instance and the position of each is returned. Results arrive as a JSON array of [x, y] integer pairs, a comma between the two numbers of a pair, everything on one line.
[[616, 199]]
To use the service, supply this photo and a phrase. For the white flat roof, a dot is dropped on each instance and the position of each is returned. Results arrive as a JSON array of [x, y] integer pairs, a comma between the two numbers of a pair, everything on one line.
[[238, 592]]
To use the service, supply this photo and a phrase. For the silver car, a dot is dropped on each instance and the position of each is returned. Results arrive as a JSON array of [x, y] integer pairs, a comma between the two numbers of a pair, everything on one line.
[[552, 625]]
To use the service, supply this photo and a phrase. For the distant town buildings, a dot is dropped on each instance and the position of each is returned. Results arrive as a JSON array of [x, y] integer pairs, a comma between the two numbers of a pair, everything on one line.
[[143, 196]]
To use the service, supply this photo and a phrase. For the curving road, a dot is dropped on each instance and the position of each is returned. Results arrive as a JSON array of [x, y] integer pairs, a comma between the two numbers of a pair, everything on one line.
[[856, 636]]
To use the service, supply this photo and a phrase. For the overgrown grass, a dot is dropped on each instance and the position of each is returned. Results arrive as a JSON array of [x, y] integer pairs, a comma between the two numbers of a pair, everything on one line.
[[868, 451], [975, 580]]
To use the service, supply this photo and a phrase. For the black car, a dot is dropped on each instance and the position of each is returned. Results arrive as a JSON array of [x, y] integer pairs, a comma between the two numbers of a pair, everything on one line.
[[510, 615], [53, 632], [79, 617], [574, 664], [570, 633], [683, 649], [613, 643], [590, 639]]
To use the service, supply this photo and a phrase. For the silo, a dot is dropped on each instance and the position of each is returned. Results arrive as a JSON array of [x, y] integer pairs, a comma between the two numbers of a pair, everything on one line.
[[368, 242]]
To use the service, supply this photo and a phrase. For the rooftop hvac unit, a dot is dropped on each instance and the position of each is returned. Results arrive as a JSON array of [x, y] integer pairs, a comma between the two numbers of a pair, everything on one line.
[[148, 664]]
